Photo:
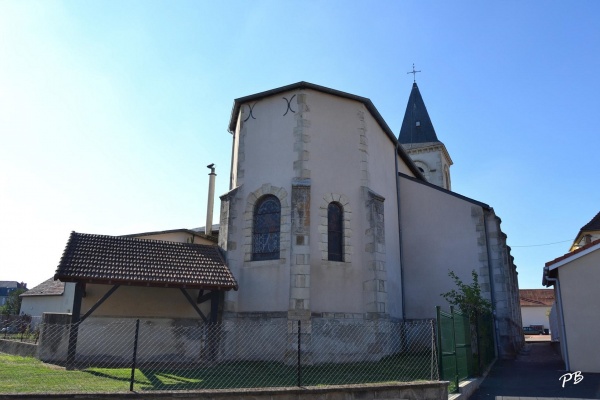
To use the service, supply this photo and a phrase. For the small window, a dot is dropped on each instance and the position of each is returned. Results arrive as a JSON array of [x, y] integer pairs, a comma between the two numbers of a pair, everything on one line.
[[335, 232], [266, 229]]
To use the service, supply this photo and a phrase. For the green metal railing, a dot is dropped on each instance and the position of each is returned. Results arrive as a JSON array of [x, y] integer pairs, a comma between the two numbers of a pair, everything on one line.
[[464, 349]]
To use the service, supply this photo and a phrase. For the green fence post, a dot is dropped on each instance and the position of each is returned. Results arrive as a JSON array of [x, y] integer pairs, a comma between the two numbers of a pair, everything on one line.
[[439, 342], [455, 352]]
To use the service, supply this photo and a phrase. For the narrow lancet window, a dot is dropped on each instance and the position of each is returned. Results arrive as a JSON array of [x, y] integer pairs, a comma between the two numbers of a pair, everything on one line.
[[335, 232]]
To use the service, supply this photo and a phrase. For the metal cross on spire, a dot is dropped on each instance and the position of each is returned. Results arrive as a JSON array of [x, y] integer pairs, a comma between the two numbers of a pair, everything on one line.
[[414, 73]]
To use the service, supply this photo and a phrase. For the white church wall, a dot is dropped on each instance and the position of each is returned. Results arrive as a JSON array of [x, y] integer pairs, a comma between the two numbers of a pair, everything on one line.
[[327, 149], [262, 164], [339, 167], [441, 232]]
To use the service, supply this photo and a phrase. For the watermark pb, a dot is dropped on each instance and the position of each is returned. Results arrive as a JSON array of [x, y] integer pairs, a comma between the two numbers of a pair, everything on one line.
[[576, 377]]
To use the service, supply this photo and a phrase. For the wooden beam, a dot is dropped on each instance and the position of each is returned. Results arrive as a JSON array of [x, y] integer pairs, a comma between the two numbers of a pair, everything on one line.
[[214, 306], [74, 327], [191, 301], [99, 302], [205, 297]]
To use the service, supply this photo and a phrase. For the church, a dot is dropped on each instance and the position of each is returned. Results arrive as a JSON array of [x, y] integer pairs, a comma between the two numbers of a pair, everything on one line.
[[329, 216]]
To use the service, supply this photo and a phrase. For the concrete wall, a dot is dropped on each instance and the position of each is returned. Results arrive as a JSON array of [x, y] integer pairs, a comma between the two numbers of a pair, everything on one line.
[[580, 298], [109, 341], [536, 316], [406, 391], [18, 348]]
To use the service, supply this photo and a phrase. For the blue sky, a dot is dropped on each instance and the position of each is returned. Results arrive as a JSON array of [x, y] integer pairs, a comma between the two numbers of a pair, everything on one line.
[[110, 110]]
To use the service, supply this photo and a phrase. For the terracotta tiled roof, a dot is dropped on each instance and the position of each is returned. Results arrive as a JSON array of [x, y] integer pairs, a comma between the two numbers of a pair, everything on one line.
[[142, 262], [572, 253], [49, 287], [536, 297]]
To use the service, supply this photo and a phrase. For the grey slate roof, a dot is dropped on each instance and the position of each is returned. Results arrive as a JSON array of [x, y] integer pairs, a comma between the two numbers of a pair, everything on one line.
[[416, 112], [141, 262], [593, 225], [49, 287]]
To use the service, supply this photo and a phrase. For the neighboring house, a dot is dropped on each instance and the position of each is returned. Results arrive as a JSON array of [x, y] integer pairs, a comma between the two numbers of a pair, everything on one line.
[[588, 233], [7, 287], [574, 277], [49, 296], [328, 218], [535, 307]]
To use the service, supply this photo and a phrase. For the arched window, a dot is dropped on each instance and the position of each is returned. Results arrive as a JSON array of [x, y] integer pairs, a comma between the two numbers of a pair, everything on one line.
[[335, 232], [265, 231]]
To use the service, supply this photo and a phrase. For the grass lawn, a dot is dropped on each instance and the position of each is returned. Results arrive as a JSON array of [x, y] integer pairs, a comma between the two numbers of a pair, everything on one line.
[[29, 375]]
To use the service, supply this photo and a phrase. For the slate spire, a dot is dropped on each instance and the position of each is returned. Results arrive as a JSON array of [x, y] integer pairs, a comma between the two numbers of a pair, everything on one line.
[[416, 126]]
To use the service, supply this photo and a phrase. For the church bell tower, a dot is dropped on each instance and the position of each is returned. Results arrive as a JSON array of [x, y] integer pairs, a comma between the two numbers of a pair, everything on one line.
[[418, 138]]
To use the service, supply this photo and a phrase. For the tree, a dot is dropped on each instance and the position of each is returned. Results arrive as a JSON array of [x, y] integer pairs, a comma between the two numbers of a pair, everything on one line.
[[13, 303], [467, 297]]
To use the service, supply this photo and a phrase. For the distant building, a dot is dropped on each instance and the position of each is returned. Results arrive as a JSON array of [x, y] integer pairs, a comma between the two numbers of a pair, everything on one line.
[[7, 287], [49, 296], [535, 307]]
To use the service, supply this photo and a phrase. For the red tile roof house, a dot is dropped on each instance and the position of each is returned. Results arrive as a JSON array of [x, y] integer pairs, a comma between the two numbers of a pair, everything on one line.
[[535, 306], [575, 278]]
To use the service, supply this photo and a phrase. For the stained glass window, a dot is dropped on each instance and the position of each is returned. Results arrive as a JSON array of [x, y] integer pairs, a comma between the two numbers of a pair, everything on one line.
[[265, 234], [335, 232]]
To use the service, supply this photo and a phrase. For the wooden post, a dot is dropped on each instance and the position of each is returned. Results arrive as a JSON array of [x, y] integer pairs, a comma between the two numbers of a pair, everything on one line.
[[74, 328]]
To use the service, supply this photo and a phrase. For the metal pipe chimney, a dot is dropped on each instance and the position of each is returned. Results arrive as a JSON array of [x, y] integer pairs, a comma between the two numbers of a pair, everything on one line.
[[211, 199]]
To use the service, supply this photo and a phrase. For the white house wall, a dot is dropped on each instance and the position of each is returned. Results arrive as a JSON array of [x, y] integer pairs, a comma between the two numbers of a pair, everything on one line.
[[580, 298], [37, 305], [536, 316]]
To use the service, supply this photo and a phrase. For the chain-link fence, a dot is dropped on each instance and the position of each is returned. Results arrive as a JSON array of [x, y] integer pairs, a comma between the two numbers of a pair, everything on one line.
[[22, 328], [167, 355]]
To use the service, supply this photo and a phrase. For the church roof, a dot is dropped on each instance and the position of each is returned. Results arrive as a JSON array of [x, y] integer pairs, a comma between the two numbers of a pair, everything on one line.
[[416, 126], [142, 262], [237, 103]]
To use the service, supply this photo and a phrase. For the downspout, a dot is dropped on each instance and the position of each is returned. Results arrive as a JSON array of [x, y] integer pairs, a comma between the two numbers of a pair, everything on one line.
[[491, 277], [400, 252], [563, 330]]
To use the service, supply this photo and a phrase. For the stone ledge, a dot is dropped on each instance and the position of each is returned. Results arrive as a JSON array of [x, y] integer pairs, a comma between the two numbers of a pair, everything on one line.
[[467, 387], [400, 390]]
